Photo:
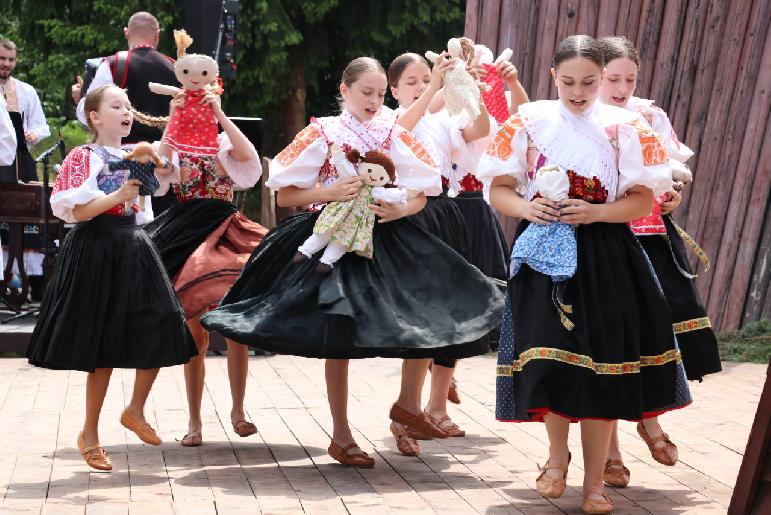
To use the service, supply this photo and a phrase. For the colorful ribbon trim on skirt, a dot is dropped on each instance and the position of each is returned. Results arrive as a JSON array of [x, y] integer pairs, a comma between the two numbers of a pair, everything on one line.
[[691, 325], [580, 360]]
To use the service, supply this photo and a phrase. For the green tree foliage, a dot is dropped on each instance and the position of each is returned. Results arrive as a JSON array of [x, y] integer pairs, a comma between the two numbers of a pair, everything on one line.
[[290, 52]]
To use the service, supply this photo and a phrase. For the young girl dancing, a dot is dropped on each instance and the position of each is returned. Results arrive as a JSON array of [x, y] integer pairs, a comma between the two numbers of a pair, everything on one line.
[[663, 243], [110, 303], [387, 305], [586, 335]]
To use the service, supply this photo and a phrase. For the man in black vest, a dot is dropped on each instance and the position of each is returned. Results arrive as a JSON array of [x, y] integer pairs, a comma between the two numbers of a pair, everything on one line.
[[132, 70]]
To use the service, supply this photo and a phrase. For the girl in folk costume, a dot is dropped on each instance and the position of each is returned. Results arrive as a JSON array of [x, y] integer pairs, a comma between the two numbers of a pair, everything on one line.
[[662, 240], [388, 306], [591, 342], [449, 140], [110, 303], [204, 240]]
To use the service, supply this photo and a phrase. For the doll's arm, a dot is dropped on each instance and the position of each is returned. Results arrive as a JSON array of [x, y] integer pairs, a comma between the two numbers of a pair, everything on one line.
[[162, 89]]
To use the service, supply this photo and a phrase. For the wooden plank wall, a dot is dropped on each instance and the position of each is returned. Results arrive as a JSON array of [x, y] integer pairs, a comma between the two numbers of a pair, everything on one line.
[[708, 64]]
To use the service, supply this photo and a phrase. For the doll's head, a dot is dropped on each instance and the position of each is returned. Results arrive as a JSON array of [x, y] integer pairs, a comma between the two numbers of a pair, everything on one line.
[[375, 168], [621, 65], [143, 153], [462, 48], [193, 71]]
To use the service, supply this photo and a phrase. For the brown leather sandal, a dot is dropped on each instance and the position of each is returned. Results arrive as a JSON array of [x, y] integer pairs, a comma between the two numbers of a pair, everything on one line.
[[616, 474], [550, 487], [420, 422], [192, 439], [448, 426], [597, 506], [416, 434], [666, 455], [404, 442], [357, 459], [143, 430], [96, 457], [243, 428]]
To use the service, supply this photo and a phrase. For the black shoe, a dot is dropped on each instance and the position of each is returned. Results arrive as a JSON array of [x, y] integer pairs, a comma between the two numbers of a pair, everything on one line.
[[323, 269], [299, 258]]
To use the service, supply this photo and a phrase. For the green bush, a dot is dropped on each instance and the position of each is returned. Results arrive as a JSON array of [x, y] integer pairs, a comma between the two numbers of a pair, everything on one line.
[[752, 343]]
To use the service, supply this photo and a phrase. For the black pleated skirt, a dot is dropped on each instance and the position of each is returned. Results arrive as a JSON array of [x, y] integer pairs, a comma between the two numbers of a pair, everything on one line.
[[487, 248], [698, 342], [415, 297], [619, 361], [109, 304]]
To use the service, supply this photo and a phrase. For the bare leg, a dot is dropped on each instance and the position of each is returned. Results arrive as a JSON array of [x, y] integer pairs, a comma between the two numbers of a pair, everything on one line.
[[595, 438], [557, 428], [96, 388], [195, 373], [336, 374], [441, 378], [238, 370], [143, 382], [413, 377], [614, 451]]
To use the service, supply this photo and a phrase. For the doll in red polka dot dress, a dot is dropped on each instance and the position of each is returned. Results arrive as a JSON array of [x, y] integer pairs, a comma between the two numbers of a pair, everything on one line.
[[192, 128]]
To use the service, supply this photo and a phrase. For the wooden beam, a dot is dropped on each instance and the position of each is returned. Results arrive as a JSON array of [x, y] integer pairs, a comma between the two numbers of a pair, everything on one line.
[[663, 73], [651, 15], [607, 18], [751, 176], [471, 28], [547, 28], [488, 30]]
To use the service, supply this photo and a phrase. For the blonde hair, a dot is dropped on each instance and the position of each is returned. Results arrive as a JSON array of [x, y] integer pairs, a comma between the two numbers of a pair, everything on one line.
[[92, 103], [183, 42]]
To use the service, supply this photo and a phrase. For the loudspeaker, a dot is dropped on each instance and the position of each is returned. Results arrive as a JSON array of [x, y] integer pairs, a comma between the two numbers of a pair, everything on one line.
[[212, 25]]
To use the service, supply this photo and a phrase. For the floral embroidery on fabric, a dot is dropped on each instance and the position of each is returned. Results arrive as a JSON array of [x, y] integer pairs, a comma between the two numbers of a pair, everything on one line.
[[74, 170], [691, 325], [653, 149], [204, 181], [414, 145], [352, 222], [470, 183], [584, 188], [500, 147], [580, 360], [305, 137]]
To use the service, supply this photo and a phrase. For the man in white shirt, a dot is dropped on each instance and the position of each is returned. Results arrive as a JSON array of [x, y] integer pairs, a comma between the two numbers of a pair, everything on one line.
[[7, 136], [24, 108]]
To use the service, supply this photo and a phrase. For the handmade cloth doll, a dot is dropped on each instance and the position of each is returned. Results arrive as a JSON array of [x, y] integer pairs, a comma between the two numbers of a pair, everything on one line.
[[549, 249], [495, 96], [346, 226], [192, 128], [461, 91], [141, 163]]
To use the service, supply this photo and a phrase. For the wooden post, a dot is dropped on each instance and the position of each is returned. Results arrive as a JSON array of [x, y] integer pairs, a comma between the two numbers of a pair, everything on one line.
[[268, 198], [756, 459]]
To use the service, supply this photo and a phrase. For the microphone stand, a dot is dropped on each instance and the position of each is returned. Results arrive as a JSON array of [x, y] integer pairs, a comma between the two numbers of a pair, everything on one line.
[[47, 250]]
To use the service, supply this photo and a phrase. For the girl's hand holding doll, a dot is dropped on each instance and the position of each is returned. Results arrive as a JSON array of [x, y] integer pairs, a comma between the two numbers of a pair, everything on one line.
[[128, 191], [215, 101], [576, 212], [441, 66], [343, 189], [389, 212], [542, 211], [507, 71]]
